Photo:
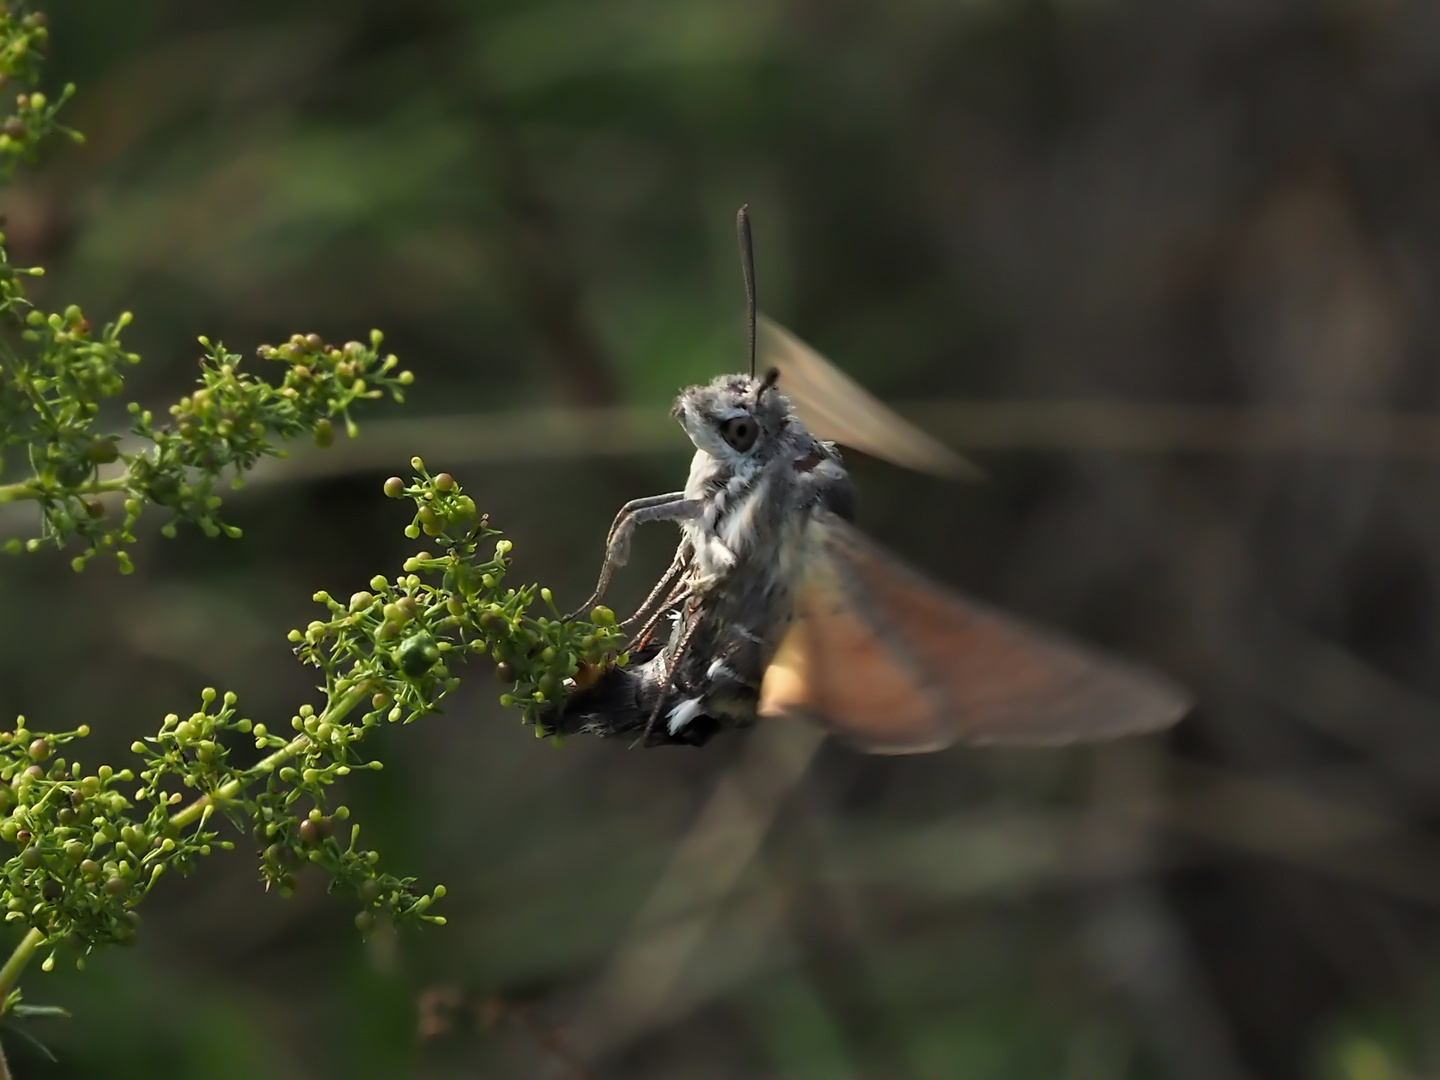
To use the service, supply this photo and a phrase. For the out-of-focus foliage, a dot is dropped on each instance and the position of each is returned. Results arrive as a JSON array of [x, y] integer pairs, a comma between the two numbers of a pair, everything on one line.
[[85, 854], [1012, 199], [229, 423]]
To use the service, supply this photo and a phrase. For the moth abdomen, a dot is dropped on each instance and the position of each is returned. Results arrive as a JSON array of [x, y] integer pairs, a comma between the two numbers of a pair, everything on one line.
[[620, 703]]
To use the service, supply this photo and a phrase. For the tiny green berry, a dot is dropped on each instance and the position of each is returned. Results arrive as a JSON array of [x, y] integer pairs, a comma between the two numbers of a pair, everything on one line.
[[417, 654]]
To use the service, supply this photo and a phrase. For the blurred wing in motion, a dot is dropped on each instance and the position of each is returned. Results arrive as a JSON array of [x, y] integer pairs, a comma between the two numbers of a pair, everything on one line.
[[837, 408], [894, 664]]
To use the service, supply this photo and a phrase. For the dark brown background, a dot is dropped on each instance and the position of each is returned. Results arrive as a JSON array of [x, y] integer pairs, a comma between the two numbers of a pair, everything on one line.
[[1230, 206]]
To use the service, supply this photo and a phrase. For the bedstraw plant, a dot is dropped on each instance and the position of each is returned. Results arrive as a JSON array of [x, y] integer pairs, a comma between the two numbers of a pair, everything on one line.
[[83, 845]]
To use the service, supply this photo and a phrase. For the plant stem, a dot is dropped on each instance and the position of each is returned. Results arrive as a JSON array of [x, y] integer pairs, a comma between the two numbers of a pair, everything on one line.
[[33, 939], [269, 764], [10, 973], [26, 489]]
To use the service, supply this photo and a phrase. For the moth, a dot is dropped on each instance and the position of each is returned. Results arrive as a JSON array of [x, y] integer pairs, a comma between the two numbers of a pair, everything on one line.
[[776, 605]]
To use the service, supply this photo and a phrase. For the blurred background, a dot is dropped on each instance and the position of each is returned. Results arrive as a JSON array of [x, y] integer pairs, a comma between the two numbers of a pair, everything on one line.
[[1169, 270]]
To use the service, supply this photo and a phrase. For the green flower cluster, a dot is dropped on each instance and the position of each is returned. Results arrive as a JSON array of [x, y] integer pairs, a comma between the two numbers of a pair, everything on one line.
[[82, 848], [24, 40], [456, 599], [56, 371], [89, 846], [229, 423]]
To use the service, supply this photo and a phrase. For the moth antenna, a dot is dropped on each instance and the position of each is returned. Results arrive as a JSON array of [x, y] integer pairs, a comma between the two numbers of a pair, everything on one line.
[[771, 378], [747, 268]]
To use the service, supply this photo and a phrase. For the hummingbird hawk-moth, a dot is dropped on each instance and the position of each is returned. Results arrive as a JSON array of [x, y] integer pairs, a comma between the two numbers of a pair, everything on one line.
[[775, 604]]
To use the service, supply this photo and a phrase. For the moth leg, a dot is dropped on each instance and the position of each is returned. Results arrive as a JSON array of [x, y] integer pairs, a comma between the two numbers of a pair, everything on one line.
[[674, 665], [677, 564], [682, 592], [672, 507], [645, 502]]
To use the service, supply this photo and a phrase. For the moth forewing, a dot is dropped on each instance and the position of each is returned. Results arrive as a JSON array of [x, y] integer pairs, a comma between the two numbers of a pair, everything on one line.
[[894, 663], [837, 408], [836, 668]]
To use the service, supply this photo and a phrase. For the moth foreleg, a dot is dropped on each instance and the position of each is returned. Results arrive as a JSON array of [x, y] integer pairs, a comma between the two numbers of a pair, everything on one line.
[[671, 507], [645, 502]]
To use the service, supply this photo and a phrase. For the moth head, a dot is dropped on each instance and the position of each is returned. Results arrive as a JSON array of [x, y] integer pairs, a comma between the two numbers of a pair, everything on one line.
[[735, 418]]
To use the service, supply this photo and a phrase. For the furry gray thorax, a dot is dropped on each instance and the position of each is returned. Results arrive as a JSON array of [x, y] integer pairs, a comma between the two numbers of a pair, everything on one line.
[[741, 560]]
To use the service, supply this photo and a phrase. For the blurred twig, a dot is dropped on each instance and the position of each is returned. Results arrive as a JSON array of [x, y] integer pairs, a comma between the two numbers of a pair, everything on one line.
[[551, 433], [646, 984], [638, 990], [824, 918], [1134, 936], [1060, 426]]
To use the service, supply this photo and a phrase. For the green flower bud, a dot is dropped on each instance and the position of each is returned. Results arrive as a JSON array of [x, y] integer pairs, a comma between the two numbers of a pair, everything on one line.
[[102, 451], [417, 654]]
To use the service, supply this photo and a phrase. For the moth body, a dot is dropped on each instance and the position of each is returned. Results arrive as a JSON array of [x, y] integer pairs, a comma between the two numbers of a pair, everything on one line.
[[757, 478], [775, 605]]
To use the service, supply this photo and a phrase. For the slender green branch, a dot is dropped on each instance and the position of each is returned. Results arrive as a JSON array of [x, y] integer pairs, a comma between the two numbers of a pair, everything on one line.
[[27, 489], [10, 973], [230, 789], [33, 939]]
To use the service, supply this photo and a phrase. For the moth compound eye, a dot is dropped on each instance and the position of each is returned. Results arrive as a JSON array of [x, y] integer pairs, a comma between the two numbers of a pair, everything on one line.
[[740, 432]]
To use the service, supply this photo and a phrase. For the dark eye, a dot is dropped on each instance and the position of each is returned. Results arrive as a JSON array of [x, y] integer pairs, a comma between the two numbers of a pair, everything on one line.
[[740, 432]]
